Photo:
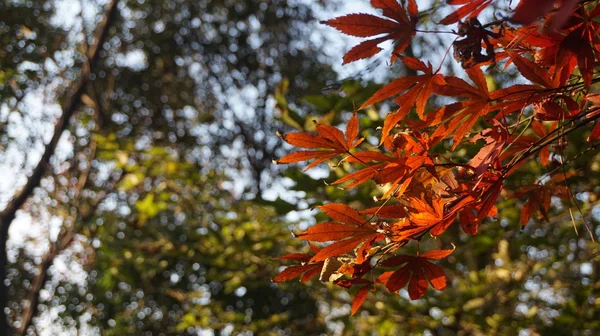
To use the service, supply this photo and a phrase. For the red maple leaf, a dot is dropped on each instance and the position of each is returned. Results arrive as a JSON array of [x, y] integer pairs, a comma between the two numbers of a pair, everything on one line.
[[350, 230], [529, 11], [307, 269], [415, 272], [359, 298], [418, 90], [397, 26], [470, 9], [329, 143]]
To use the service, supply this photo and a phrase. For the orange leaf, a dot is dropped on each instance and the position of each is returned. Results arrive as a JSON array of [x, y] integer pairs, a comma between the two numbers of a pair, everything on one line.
[[418, 284], [435, 275], [352, 130], [363, 50], [595, 135], [437, 254], [416, 64], [359, 177], [476, 75], [406, 102], [469, 222], [324, 232], [538, 128], [339, 248], [425, 214], [360, 297], [332, 134], [395, 87], [306, 140], [530, 70], [311, 273], [331, 139], [365, 25], [303, 156], [293, 272], [343, 213], [295, 256], [413, 9], [388, 211], [528, 209], [586, 63], [443, 225], [415, 272]]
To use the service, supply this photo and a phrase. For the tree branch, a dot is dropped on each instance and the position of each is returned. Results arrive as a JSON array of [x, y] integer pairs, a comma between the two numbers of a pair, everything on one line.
[[73, 96]]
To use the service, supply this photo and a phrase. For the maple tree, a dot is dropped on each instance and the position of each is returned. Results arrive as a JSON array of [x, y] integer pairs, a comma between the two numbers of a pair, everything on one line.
[[554, 45]]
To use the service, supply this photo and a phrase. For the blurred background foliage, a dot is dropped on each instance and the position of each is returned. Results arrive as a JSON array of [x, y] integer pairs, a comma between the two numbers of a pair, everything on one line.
[[161, 212]]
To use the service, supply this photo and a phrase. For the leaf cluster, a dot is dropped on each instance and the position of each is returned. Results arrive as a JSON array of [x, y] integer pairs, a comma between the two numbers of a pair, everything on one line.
[[425, 190]]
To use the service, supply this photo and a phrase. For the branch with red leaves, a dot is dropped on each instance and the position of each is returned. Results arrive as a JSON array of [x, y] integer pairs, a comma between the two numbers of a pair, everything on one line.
[[426, 192]]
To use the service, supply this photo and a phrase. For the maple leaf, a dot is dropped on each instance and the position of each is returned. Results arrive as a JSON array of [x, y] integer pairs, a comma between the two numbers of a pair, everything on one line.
[[306, 269], [495, 140], [418, 90], [532, 71], [351, 231], [397, 26], [324, 232], [469, 221], [524, 142], [365, 174], [515, 98], [551, 110], [416, 272], [399, 173], [460, 117], [470, 9], [460, 204], [293, 272], [330, 143], [429, 189], [579, 44], [386, 211], [530, 10], [425, 214], [359, 298], [539, 198], [595, 134]]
